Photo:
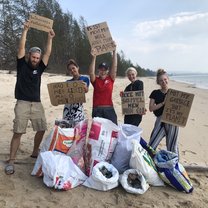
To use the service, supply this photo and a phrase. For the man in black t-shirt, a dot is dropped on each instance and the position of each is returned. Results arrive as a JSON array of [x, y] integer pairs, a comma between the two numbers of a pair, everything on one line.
[[27, 93]]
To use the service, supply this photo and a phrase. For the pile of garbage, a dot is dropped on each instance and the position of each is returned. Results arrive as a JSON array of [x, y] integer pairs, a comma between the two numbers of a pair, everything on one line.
[[104, 157]]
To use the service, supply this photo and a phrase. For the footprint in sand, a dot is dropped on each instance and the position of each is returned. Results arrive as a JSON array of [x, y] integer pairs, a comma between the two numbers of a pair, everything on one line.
[[195, 181], [188, 151], [166, 194], [186, 204]]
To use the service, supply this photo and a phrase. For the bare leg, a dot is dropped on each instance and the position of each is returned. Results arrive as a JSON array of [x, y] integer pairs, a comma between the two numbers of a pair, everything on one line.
[[37, 140], [14, 145]]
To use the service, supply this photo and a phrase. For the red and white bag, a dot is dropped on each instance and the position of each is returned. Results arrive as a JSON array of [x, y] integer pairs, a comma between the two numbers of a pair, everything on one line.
[[102, 140]]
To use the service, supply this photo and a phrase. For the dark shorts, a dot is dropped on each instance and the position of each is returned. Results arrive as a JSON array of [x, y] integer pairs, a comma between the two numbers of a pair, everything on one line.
[[105, 112], [32, 111], [134, 119]]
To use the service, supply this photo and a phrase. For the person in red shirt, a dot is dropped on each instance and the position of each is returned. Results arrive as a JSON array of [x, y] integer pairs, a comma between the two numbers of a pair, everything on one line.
[[103, 87]]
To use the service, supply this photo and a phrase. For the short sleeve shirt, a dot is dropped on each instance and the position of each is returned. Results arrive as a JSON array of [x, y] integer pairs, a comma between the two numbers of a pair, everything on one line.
[[103, 89], [159, 97], [28, 81], [135, 86]]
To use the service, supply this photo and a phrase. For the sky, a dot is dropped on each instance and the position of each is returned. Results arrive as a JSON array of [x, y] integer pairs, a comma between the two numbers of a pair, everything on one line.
[[169, 34]]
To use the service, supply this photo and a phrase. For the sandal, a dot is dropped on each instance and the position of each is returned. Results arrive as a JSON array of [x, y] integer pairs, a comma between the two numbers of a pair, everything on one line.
[[9, 169]]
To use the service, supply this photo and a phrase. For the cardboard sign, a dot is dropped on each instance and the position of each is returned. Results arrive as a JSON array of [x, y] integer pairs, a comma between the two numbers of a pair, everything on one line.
[[133, 102], [100, 38], [66, 92], [40, 23], [177, 107]]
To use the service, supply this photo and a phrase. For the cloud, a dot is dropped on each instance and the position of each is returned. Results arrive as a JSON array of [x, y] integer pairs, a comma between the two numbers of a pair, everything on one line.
[[177, 43], [179, 26]]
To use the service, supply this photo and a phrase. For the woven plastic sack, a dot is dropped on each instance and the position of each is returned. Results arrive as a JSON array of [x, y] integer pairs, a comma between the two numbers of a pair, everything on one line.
[[102, 140], [171, 171]]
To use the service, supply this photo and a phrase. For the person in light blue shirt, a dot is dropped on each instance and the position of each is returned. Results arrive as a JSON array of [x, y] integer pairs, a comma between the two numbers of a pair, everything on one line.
[[74, 113]]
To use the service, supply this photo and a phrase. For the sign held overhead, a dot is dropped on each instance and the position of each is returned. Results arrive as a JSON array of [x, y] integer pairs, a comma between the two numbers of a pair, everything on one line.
[[100, 38], [40, 23]]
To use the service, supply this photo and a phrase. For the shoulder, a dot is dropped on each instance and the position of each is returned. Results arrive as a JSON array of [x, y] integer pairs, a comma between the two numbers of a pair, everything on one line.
[[154, 93], [138, 82], [84, 78], [109, 78], [21, 60]]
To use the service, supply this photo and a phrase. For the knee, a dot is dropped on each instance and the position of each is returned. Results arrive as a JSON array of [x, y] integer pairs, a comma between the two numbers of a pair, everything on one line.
[[16, 136]]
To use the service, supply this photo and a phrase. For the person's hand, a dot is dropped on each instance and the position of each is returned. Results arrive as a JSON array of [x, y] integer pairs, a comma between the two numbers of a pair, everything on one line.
[[93, 52], [27, 25], [51, 34], [143, 113], [114, 45], [85, 86]]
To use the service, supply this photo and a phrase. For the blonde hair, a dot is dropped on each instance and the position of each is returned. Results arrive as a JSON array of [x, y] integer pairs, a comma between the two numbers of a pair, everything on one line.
[[131, 69], [160, 72]]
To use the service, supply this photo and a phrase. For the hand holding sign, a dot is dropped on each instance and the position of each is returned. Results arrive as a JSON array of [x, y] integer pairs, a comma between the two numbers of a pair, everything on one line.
[[51, 34], [27, 25]]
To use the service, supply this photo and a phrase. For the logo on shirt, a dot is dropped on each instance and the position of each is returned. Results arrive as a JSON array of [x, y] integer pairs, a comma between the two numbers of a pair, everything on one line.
[[35, 71], [106, 81]]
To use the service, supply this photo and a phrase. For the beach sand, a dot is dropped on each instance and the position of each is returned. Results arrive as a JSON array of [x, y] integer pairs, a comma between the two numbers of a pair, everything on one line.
[[22, 190]]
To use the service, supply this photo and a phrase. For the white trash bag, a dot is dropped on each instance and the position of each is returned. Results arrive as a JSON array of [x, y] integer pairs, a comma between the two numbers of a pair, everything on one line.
[[104, 177], [133, 182], [126, 134], [60, 172], [141, 160], [60, 140]]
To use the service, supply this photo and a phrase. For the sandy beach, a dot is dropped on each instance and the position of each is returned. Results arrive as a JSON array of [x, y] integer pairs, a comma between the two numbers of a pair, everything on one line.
[[22, 190]]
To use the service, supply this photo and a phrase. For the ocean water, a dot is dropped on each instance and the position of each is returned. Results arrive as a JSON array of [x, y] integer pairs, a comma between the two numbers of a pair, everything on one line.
[[197, 80]]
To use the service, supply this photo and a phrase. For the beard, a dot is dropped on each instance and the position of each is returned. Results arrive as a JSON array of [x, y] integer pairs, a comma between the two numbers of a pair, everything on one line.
[[33, 65]]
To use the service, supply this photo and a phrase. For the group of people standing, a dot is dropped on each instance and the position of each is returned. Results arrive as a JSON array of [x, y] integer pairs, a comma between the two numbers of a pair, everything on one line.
[[29, 107]]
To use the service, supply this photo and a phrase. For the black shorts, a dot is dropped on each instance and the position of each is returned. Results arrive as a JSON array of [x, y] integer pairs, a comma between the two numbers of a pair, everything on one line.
[[134, 119], [105, 112]]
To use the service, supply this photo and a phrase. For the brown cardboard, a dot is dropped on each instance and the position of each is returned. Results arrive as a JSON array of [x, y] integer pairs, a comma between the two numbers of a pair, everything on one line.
[[40, 23], [100, 38], [66, 92], [133, 102], [177, 107]]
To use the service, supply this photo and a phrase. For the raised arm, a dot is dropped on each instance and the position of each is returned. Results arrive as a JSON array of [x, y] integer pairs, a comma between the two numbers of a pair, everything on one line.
[[21, 49], [113, 70], [47, 53], [92, 66]]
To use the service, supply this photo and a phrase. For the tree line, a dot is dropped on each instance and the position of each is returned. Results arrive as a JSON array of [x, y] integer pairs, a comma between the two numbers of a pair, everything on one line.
[[71, 40]]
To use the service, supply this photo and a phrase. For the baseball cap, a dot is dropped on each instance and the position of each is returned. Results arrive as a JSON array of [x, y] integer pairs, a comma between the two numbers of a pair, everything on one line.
[[103, 65], [35, 50]]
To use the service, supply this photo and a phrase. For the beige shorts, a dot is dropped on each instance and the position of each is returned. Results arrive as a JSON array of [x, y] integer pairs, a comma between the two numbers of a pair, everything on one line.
[[32, 111]]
